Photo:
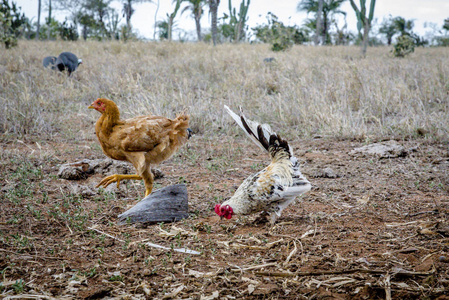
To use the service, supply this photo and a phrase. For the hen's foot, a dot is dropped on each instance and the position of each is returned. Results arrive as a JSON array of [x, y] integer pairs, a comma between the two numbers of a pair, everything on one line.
[[116, 178], [148, 191]]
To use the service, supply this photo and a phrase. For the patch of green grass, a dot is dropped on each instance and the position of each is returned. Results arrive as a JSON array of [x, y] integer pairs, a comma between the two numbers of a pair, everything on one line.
[[19, 286], [116, 278]]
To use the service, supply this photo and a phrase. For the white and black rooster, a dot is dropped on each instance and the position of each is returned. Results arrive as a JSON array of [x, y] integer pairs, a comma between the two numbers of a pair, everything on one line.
[[272, 189]]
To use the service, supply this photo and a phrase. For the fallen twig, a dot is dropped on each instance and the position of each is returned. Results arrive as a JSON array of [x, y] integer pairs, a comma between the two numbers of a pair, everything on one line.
[[106, 234], [182, 250], [291, 254], [435, 211], [264, 247], [387, 287], [318, 273], [395, 224], [33, 256], [30, 296], [253, 267]]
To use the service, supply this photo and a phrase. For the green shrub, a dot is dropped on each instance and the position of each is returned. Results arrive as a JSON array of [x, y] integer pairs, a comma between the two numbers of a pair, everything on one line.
[[12, 23], [281, 37], [6, 36], [404, 46]]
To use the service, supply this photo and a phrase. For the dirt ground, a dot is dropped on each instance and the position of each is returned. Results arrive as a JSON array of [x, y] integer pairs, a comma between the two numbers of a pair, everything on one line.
[[370, 228]]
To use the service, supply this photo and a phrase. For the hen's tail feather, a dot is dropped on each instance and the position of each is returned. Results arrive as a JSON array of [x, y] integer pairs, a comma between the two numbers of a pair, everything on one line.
[[258, 133], [181, 124]]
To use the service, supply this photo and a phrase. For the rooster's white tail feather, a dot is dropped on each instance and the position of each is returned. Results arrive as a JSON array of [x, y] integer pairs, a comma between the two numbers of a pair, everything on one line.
[[255, 131]]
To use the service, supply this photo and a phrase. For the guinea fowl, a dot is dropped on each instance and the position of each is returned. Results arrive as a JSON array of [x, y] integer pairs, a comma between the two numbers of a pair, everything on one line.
[[272, 189], [50, 61], [68, 61]]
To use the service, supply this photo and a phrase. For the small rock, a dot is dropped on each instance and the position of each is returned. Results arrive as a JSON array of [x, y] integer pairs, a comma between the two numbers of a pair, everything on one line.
[[443, 259], [86, 167], [75, 171], [427, 265], [329, 173], [266, 289], [326, 173], [443, 229], [82, 190], [96, 293], [389, 149]]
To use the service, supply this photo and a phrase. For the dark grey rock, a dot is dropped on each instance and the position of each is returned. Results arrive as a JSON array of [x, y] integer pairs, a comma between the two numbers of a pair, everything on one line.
[[168, 204]]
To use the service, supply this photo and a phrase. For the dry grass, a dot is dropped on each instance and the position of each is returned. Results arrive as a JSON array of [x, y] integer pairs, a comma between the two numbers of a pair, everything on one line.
[[377, 229], [327, 91]]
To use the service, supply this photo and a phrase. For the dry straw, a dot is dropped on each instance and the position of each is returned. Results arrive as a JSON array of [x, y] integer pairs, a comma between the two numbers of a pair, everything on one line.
[[307, 91]]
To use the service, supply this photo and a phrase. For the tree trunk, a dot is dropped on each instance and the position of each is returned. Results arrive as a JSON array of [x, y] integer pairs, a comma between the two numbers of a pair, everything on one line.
[[128, 15], [366, 29], [198, 27], [39, 4], [170, 27], [155, 21], [49, 19], [84, 32], [325, 29], [318, 22], [213, 5]]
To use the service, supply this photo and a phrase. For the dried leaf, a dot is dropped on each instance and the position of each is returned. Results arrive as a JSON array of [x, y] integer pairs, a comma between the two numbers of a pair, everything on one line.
[[307, 233], [174, 293], [426, 231], [211, 297], [174, 231], [198, 274], [251, 288], [251, 281]]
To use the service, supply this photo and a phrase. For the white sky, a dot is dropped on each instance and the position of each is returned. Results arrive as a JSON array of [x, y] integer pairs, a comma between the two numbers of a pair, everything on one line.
[[422, 11]]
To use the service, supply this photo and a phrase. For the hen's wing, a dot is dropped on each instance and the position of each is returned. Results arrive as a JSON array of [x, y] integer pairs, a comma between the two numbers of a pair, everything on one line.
[[268, 190], [144, 133], [270, 186]]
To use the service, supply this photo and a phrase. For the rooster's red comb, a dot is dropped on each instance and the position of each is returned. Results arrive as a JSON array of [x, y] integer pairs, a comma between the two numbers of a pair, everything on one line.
[[217, 209]]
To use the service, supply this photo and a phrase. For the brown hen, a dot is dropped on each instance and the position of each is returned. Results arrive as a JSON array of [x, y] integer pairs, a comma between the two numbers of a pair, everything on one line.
[[143, 140]]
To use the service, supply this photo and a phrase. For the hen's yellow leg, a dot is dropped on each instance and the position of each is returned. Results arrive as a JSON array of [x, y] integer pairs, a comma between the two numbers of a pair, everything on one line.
[[148, 191], [116, 178]]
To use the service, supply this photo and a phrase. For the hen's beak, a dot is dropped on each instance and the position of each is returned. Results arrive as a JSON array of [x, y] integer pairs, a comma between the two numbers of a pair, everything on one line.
[[91, 107]]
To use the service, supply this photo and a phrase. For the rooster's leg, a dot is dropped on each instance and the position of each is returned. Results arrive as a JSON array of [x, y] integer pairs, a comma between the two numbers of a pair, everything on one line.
[[273, 217], [116, 178]]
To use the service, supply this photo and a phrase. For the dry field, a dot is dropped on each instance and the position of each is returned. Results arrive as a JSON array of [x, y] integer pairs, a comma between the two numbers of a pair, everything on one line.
[[371, 228]]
